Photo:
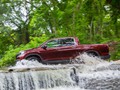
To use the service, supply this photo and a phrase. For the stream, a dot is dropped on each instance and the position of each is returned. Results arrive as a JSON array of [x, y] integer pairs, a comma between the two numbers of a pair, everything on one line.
[[85, 73]]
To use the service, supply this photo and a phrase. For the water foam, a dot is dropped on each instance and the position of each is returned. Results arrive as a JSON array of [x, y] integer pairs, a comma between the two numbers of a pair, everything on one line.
[[65, 88], [81, 59], [92, 73]]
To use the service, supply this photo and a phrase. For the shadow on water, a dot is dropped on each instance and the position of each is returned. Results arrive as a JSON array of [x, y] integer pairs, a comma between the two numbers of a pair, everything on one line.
[[85, 73]]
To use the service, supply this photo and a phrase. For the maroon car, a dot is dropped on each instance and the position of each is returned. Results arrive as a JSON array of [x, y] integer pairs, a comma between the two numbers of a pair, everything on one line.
[[62, 50]]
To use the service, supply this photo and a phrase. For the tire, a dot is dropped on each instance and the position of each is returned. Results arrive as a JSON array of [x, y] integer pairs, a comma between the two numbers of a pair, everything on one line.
[[33, 58], [92, 54]]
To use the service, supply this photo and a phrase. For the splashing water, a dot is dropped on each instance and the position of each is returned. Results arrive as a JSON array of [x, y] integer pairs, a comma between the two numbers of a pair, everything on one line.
[[85, 73], [88, 59]]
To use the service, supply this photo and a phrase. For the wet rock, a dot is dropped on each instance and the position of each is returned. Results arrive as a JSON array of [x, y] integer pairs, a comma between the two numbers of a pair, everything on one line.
[[110, 67], [100, 81]]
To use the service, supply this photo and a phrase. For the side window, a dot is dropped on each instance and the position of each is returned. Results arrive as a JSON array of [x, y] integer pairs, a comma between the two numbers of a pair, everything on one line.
[[70, 41], [60, 42], [52, 43], [67, 42]]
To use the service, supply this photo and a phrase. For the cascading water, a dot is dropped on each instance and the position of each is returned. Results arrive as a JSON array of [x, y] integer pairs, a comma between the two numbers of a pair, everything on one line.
[[86, 73], [35, 80]]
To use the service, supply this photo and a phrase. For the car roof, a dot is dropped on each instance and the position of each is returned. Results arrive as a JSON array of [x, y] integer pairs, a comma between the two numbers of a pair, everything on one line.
[[63, 37]]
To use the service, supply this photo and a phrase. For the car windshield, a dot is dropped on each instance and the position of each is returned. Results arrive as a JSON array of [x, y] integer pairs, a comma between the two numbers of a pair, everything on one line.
[[60, 42]]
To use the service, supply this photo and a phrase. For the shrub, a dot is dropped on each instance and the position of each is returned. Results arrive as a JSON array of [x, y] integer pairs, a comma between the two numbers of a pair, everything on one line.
[[10, 56]]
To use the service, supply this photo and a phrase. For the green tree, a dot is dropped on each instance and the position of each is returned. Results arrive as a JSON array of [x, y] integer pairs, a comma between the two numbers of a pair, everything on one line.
[[18, 17], [115, 15]]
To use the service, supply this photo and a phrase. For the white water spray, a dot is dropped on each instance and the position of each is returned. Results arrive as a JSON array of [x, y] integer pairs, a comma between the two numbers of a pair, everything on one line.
[[91, 73]]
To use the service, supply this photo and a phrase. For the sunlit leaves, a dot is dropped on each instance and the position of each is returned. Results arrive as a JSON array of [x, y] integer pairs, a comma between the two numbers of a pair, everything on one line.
[[92, 21]]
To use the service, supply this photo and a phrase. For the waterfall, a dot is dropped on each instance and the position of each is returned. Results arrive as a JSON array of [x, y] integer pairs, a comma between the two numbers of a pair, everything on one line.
[[35, 80], [93, 74]]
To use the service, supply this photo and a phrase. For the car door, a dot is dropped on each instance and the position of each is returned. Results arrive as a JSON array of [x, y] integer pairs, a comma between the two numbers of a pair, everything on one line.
[[68, 49], [51, 51], [59, 49]]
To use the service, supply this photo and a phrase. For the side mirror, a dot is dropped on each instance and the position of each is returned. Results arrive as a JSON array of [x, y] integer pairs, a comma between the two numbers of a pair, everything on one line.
[[44, 47]]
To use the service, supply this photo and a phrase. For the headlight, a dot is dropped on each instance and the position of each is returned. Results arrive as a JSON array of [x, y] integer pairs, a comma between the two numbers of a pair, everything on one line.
[[20, 53]]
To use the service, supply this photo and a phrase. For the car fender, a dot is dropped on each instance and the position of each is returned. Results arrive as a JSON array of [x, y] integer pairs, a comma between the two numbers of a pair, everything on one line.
[[93, 51], [34, 54]]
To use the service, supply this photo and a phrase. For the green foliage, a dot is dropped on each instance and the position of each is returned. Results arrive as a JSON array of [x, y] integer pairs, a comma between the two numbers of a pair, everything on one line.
[[92, 21], [115, 52], [116, 55], [5, 39], [10, 55]]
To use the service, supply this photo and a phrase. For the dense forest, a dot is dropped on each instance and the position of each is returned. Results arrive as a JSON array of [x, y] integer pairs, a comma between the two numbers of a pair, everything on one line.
[[26, 24]]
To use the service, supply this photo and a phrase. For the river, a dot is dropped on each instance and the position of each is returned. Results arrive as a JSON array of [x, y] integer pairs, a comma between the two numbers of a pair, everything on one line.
[[86, 73]]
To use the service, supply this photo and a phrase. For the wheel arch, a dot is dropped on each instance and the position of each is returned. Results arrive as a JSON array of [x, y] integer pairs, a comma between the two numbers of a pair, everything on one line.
[[93, 52], [35, 55]]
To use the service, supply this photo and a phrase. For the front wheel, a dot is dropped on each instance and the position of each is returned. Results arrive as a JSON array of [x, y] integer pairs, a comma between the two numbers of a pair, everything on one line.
[[33, 58]]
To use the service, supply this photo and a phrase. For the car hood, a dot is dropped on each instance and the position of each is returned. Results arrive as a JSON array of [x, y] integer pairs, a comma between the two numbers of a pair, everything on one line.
[[38, 49]]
